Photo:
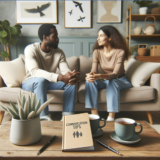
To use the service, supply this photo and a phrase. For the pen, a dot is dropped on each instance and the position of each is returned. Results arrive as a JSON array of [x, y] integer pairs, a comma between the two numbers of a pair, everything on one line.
[[46, 145], [104, 145]]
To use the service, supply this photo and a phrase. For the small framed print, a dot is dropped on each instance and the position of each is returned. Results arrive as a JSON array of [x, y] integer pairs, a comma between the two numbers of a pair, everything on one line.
[[109, 11], [77, 14], [32, 12]]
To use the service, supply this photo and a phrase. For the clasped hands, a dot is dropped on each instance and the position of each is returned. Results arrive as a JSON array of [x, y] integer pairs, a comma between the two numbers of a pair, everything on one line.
[[70, 78], [91, 77]]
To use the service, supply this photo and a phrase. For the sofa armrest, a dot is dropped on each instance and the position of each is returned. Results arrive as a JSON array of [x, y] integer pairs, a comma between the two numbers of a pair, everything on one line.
[[1, 82], [155, 83]]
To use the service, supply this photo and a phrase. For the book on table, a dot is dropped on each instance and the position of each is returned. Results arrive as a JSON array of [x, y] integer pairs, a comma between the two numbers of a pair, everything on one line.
[[76, 134]]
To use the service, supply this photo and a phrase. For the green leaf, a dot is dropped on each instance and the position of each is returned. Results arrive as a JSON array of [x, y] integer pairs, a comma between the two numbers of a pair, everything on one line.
[[4, 54], [13, 30], [3, 40], [5, 24], [12, 41], [3, 33], [1, 28], [18, 26], [0, 22]]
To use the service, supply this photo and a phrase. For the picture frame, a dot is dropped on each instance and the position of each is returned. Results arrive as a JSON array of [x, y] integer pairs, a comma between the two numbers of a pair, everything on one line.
[[109, 11], [77, 14], [36, 12], [142, 46]]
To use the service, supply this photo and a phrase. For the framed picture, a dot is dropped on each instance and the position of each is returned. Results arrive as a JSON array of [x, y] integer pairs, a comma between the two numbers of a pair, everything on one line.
[[32, 12], [109, 11], [77, 14]]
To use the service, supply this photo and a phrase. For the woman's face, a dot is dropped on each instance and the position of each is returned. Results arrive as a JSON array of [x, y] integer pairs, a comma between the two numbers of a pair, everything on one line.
[[102, 39]]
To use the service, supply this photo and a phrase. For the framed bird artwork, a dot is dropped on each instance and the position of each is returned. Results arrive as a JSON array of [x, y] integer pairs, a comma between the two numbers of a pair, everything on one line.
[[36, 12], [77, 14]]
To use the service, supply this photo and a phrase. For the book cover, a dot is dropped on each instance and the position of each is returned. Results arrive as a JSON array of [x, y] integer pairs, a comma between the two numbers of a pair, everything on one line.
[[76, 133]]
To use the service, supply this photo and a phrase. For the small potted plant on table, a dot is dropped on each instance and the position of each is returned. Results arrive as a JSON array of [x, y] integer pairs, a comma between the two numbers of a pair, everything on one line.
[[25, 124]]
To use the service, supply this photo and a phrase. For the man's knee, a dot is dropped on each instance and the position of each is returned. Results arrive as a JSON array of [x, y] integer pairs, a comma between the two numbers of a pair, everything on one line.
[[40, 81]]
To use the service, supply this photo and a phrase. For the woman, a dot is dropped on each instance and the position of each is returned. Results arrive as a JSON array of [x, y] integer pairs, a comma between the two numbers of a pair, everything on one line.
[[110, 51]]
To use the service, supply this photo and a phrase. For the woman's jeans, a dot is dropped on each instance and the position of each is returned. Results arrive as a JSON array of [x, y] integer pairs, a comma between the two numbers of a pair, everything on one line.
[[40, 86], [113, 88]]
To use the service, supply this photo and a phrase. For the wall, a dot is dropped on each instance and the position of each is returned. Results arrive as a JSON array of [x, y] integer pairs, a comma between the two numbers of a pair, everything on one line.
[[72, 36]]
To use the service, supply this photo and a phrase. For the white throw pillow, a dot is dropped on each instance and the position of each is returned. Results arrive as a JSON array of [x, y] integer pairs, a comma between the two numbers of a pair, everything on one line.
[[12, 72], [138, 72]]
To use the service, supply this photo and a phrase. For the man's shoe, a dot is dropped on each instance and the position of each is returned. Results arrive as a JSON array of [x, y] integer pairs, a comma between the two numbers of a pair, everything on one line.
[[62, 119], [46, 118]]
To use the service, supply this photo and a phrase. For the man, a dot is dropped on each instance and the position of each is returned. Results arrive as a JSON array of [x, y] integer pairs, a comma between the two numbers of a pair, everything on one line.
[[41, 62]]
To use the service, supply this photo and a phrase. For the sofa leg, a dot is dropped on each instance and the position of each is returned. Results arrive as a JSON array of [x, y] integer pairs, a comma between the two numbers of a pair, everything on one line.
[[149, 117], [1, 116]]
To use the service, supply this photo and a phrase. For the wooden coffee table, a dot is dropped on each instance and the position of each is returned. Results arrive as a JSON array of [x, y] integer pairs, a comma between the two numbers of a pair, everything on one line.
[[147, 148]]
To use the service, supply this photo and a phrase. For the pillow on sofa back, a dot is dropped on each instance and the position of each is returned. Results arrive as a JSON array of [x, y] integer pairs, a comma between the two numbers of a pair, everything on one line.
[[13, 72], [86, 65], [138, 72], [73, 63]]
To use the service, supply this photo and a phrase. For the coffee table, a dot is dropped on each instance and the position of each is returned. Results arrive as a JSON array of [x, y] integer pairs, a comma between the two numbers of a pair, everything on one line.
[[148, 148]]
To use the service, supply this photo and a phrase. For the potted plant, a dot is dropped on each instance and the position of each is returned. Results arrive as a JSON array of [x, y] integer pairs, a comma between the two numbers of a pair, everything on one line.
[[8, 35], [25, 124], [143, 5]]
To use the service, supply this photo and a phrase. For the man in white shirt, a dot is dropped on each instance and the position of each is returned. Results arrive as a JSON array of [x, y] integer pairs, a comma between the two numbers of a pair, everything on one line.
[[41, 61]]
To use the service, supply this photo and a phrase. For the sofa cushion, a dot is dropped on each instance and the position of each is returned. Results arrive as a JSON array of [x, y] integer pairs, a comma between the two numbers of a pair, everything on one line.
[[12, 72], [86, 65], [135, 94], [11, 94], [138, 72], [73, 63]]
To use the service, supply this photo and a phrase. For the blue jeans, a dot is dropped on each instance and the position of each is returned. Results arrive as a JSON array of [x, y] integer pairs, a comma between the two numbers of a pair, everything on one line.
[[40, 87], [113, 88]]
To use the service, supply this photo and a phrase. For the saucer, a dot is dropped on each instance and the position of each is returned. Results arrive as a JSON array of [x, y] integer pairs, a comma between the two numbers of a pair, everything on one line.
[[135, 139], [98, 133]]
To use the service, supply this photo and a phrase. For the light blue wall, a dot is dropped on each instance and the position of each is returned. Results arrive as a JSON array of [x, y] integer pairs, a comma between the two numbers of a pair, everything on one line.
[[73, 41]]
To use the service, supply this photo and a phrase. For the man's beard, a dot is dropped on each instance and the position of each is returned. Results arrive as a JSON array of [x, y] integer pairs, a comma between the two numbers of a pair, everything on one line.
[[52, 45]]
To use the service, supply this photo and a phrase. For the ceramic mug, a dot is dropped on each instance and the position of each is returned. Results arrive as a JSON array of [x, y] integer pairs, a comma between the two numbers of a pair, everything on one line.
[[94, 122], [125, 128]]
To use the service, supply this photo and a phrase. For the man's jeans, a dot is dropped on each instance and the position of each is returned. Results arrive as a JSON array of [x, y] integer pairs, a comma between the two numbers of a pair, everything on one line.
[[113, 88], [40, 86]]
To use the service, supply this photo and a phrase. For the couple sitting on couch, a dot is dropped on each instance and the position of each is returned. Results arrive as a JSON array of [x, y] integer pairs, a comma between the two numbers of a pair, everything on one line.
[[42, 60]]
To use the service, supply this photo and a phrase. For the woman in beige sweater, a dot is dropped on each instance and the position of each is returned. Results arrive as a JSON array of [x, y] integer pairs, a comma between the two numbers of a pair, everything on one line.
[[110, 52]]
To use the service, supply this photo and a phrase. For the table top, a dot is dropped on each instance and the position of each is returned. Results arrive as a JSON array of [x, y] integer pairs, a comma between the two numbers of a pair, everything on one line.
[[147, 148]]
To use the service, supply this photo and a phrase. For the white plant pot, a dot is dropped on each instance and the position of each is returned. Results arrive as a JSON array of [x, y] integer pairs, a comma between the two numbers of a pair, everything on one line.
[[143, 10], [25, 132]]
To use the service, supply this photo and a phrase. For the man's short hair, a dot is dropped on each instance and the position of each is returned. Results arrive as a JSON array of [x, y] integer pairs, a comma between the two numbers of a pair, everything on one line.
[[44, 29]]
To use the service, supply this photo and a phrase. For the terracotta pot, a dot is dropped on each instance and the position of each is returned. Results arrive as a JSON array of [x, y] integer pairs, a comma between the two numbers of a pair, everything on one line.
[[142, 51]]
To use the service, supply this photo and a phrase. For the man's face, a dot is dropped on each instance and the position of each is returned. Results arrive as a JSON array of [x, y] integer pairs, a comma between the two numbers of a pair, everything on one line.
[[53, 39]]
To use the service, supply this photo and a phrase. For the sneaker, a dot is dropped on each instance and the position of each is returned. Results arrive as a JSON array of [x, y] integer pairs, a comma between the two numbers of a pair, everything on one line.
[[110, 119], [46, 118], [62, 118]]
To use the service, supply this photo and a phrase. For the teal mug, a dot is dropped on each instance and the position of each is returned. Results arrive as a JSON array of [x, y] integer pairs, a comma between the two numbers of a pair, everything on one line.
[[94, 122], [125, 128]]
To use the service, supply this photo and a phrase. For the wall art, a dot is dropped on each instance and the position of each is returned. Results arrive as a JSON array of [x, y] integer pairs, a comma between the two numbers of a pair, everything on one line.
[[77, 14], [32, 12], [109, 11]]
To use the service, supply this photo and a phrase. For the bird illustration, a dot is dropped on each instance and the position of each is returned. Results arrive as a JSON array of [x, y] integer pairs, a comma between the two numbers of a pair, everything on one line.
[[81, 19], [70, 12], [79, 5], [39, 9]]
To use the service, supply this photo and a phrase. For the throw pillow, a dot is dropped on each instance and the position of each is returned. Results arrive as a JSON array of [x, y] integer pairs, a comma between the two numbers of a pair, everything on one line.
[[138, 72], [13, 72]]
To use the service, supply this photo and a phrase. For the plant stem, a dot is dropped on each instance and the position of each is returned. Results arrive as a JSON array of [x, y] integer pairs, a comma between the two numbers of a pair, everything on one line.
[[8, 51]]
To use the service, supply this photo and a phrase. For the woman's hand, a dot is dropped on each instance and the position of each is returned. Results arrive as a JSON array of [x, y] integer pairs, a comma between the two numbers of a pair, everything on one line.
[[91, 77]]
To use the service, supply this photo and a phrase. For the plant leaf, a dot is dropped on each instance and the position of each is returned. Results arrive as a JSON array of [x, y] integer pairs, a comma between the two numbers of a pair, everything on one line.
[[14, 107], [5, 24], [3, 40], [12, 113], [3, 33], [4, 54], [18, 26], [13, 30], [1, 28], [5, 108], [31, 115], [12, 41], [21, 113], [37, 105]]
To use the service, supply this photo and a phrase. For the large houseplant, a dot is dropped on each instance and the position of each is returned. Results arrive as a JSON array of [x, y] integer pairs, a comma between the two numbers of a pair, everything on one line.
[[8, 35], [25, 124], [143, 4]]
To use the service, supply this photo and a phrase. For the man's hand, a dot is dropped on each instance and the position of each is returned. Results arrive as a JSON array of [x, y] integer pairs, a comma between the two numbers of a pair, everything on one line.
[[64, 78], [74, 78]]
